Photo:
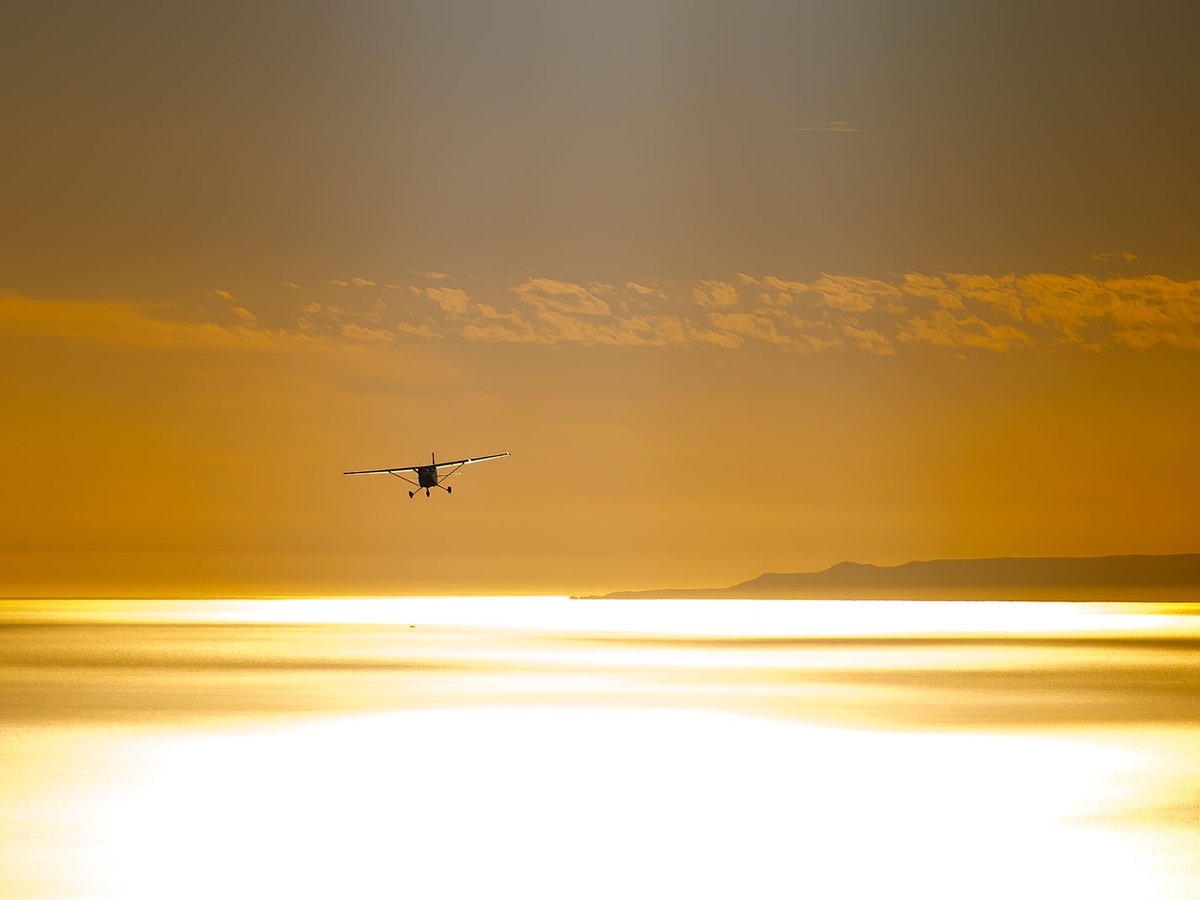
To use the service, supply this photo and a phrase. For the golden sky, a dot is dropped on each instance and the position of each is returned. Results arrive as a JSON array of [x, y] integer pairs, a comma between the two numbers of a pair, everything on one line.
[[743, 288]]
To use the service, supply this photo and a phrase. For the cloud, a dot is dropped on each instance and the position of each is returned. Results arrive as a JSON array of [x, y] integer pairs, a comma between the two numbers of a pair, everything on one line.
[[550, 327], [1113, 256], [761, 328], [848, 293], [357, 332], [428, 275], [933, 288], [963, 312], [123, 325], [1000, 293], [852, 293], [327, 321], [563, 296], [290, 284], [960, 312], [495, 327], [1141, 312], [871, 341], [453, 301], [838, 126], [718, 294], [1066, 305], [424, 330], [942, 328]]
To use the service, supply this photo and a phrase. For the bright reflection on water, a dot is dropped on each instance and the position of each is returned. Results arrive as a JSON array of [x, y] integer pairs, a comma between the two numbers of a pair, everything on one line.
[[541, 747]]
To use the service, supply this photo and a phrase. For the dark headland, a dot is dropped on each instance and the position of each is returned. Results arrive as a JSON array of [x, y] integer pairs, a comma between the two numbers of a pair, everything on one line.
[[1164, 578]]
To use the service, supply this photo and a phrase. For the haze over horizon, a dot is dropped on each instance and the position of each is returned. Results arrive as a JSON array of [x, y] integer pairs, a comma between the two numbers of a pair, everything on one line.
[[743, 288]]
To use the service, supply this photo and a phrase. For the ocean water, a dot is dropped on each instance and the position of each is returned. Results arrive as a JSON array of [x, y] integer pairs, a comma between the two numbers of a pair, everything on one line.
[[546, 747]]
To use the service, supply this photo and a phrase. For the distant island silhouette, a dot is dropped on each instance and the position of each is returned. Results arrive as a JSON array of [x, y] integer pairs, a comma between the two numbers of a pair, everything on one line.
[[1173, 577]]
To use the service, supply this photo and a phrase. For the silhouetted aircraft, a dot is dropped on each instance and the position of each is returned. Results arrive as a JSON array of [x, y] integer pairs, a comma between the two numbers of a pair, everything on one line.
[[428, 476]]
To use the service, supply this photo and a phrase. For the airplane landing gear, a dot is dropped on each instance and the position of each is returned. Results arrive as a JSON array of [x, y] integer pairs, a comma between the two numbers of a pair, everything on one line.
[[426, 492], [410, 495], [449, 490]]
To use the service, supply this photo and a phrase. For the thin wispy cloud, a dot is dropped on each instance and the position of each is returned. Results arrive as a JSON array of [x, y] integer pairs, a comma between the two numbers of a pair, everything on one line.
[[127, 325], [838, 126], [353, 282]]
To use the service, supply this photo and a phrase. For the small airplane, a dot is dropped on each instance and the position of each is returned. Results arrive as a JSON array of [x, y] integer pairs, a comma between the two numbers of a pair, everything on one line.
[[428, 476]]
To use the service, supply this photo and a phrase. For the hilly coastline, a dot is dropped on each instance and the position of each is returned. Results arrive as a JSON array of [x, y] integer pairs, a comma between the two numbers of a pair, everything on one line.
[[1167, 578]]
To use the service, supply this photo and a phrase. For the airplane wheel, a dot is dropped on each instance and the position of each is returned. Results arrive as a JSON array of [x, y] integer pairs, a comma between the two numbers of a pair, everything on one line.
[[410, 495], [426, 492], [449, 490]]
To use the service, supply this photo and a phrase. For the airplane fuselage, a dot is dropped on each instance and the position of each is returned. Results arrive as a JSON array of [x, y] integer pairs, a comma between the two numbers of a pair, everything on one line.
[[427, 476]]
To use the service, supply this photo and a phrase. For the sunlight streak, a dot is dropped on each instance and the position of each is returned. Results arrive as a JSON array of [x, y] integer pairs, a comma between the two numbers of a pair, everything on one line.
[[617, 803]]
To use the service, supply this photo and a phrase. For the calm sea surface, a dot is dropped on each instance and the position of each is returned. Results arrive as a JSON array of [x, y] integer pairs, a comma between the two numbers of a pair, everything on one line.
[[544, 747]]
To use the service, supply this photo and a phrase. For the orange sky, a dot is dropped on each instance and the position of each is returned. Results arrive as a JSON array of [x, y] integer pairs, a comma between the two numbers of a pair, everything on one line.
[[748, 289]]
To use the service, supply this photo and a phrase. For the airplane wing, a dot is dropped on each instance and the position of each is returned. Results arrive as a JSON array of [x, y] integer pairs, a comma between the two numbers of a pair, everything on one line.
[[463, 462], [383, 471], [441, 465]]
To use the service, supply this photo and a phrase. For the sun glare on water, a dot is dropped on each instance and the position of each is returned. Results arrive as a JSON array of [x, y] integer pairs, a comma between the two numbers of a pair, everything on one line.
[[608, 803], [541, 747]]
